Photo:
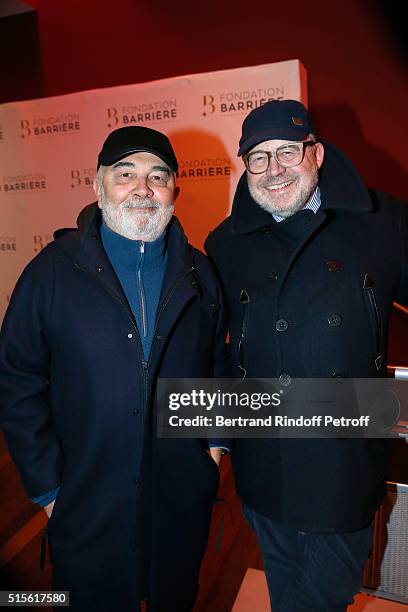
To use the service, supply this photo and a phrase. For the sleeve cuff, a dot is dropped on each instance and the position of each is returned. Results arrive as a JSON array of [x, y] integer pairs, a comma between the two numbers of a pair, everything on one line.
[[215, 445], [46, 498]]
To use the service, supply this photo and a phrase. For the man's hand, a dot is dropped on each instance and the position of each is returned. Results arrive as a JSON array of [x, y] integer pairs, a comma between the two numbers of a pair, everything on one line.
[[216, 454], [49, 508]]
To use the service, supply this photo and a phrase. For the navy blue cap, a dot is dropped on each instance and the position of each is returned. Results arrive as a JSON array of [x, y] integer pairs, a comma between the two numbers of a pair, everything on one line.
[[127, 140], [278, 119]]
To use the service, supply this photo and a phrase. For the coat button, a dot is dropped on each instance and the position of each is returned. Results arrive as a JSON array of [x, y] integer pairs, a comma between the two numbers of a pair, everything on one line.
[[334, 320], [285, 380], [281, 325], [100, 269], [272, 275], [136, 410], [130, 335], [159, 337], [338, 374], [333, 265]]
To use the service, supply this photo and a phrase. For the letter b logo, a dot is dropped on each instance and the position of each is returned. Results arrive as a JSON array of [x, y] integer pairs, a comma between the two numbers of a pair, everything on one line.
[[25, 128], [112, 117], [209, 107]]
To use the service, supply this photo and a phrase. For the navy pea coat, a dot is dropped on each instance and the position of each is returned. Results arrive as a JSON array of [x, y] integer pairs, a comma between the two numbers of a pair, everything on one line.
[[311, 297], [76, 404]]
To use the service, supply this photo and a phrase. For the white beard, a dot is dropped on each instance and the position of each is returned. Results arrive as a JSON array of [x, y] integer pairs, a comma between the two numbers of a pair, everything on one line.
[[124, 220]]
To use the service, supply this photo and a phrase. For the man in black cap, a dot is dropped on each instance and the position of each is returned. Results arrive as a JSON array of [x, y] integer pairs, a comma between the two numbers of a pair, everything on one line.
[[94, 320], [311, 261]]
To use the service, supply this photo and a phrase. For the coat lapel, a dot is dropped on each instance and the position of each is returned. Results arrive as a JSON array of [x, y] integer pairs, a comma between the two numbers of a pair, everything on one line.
[[86, 249], [178, 289], [312, 223], [179, 283]]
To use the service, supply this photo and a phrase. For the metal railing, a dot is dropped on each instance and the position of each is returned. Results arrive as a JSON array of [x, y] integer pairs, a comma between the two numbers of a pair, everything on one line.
[[400, 429]]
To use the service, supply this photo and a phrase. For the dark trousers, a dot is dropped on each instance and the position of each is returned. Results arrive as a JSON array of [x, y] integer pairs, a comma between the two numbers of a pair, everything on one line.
[[310, 571]]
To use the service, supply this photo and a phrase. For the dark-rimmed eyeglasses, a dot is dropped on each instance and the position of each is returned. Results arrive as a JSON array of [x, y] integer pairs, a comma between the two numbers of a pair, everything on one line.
[[287, 156]]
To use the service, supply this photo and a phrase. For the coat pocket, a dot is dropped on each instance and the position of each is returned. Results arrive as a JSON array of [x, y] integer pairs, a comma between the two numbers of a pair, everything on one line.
[[244, 300], [375, 317]]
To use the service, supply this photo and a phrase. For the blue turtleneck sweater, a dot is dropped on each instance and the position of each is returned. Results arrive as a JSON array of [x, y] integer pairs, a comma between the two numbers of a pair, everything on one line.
[[140, 267]]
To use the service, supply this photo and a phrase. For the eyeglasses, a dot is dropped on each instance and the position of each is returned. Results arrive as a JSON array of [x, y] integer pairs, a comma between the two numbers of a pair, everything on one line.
[[287, 156]]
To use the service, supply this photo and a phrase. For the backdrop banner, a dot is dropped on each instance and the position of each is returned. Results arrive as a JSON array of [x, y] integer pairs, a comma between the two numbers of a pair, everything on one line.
[[49, 148]]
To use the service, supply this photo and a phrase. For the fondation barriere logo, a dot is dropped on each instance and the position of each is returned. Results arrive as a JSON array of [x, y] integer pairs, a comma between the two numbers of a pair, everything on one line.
[[147, 112], [82, 177], [69, 123], [243, 101], [24, 183], [40, 241], [206, 168], [8, 244]]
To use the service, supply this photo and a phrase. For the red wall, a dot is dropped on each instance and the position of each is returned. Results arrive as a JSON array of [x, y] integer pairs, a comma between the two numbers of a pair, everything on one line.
[[20, 60], [357, 75]]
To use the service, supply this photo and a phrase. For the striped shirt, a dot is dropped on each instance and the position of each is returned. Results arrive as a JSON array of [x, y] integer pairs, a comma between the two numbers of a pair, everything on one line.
[[313, 204]]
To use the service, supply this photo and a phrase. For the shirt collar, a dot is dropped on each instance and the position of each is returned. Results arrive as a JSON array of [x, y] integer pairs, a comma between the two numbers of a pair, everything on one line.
[[312, 204]]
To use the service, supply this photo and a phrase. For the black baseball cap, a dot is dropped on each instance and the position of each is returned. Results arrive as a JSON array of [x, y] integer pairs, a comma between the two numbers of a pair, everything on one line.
[[277, 119], [127, 140]]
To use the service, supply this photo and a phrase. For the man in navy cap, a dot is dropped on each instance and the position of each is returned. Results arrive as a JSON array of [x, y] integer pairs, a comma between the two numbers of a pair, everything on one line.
[[94, 320], [311, 261]]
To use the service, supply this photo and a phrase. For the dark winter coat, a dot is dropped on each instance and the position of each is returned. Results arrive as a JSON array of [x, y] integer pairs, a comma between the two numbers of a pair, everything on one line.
[[132, 515], [311, 296]]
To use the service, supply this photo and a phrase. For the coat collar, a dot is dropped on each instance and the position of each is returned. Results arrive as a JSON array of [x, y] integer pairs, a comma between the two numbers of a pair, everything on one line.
[[341, 188], [84, 244], [84, 247]]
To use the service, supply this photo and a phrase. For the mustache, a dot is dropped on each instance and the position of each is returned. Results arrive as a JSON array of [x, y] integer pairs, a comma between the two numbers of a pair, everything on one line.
[[140, 203]]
